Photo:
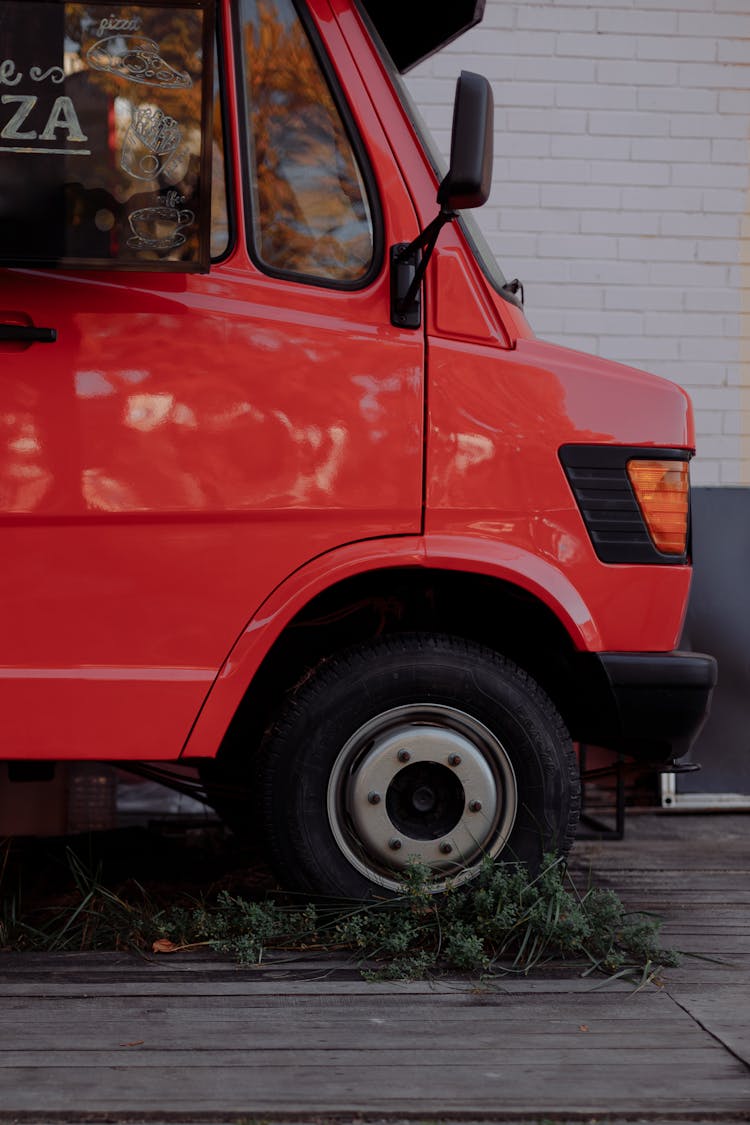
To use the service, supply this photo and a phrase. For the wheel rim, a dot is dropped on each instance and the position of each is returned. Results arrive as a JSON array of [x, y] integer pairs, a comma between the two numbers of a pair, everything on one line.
[[422, 782]]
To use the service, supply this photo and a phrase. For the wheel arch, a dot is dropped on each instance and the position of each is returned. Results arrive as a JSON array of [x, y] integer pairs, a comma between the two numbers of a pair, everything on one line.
[[509, 600]]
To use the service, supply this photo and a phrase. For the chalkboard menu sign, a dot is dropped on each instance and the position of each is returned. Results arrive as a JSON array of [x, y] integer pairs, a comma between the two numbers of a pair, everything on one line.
[[105, 134]]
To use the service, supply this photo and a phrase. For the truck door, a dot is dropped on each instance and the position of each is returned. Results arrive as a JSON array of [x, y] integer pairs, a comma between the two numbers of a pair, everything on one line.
[[190, 439]]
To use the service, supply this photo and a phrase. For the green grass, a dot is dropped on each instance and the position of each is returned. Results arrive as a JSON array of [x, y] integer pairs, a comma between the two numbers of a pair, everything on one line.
[[503, 922]]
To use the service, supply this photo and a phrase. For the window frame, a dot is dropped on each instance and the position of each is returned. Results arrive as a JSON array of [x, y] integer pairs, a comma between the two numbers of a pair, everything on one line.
[[353, 136], [226, 132]]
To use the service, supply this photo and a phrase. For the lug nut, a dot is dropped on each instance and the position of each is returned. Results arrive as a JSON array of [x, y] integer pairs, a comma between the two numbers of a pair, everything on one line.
[[373, 798], [475, 806], [394, 844], [404, 756], [446, 848], [454, 759]]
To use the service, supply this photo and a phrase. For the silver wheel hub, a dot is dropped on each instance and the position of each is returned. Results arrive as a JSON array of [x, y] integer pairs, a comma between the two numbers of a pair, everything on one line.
[[426, 783]]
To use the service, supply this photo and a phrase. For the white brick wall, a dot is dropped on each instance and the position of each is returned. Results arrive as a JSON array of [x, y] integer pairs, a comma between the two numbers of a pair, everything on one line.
[[622, 191]]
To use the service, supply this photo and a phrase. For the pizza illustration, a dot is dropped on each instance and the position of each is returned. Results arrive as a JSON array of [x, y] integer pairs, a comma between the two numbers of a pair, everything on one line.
[[138, 60]]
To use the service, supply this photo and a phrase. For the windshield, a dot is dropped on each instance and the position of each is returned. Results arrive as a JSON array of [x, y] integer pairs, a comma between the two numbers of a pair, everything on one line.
[[466, 221]]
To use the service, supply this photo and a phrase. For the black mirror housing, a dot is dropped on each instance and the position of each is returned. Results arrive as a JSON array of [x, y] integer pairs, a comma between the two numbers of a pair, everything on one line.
[[467, 184], [469, 178]]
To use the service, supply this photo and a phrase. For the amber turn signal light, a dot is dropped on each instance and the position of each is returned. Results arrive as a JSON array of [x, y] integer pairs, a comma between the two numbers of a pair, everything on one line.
[[662, 491]]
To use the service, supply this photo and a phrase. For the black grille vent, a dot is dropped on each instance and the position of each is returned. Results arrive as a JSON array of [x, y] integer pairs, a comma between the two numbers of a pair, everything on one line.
[[599, 479]]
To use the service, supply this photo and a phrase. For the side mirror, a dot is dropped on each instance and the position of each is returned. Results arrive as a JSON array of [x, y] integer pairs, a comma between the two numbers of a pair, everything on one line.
[[467, 184], [469, 178]]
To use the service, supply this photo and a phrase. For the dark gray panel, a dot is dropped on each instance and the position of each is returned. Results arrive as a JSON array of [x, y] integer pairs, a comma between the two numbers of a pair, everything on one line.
[[718, 622]]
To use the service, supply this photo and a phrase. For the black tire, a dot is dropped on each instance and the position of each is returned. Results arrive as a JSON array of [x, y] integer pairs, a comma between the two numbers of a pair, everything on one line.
[[414, 745]]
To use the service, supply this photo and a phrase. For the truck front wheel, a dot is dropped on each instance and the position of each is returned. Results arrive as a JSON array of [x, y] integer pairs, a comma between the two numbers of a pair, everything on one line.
[[414, 747]]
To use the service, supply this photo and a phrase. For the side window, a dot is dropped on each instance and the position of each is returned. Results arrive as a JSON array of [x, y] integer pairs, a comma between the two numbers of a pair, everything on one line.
[[310, 214]]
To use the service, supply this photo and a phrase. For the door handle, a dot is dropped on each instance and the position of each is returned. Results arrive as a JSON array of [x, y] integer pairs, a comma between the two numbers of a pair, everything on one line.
[[27, 333]]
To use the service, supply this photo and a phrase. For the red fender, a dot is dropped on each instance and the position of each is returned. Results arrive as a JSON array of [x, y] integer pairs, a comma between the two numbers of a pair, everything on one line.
[[507, 562]]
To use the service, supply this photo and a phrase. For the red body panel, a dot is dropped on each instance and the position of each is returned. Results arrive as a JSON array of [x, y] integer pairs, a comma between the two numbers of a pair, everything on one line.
[[197, 456], [497, 421], [160, 479], [187, 443]]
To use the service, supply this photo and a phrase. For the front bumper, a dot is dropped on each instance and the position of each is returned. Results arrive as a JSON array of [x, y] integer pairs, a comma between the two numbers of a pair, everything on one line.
[[649, 705]]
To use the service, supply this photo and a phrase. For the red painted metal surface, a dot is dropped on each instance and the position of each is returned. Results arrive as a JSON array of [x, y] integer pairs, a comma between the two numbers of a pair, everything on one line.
[[187, 443], [497, 419], [197, 456]]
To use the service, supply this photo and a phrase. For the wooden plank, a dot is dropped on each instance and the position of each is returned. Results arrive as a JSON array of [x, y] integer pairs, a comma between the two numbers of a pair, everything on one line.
[[369, 1087], [132, 1034], [143, 1056], [725, 947], [724, 1012], [462, 1005], [311, 988], [646, 899], [306, 1036]]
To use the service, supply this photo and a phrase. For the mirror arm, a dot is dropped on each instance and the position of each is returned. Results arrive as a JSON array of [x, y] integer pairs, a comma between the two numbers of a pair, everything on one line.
[[424, 241]]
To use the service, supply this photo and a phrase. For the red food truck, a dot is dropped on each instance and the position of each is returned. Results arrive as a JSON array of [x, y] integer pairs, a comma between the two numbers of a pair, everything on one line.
[[289, 491]]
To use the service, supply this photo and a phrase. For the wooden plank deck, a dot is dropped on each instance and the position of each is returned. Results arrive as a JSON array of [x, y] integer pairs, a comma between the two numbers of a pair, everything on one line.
[[109, 1037]]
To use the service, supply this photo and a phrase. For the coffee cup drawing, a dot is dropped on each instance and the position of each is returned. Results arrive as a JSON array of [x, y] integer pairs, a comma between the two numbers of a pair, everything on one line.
[[158, 228]]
